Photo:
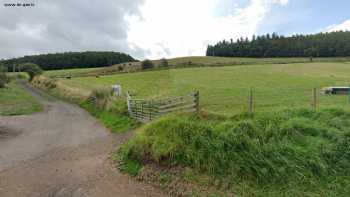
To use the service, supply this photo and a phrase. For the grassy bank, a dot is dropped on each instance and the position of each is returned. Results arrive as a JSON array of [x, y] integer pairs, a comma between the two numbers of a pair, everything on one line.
[[16, 101], [289, 153], [114, 117]]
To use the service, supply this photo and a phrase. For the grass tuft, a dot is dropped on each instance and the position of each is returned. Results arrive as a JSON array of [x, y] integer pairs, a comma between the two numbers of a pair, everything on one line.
[[114, 117]]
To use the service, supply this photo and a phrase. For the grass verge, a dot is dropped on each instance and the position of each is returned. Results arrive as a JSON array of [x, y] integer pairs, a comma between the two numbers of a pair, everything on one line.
[[16, 101], [114, 117], [286, 153]]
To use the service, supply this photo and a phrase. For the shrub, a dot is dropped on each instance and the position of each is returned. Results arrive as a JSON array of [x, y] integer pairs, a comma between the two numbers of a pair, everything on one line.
[[4, 79], [32, 70], [102, 98], [164, 62], [147, 64], [50, 83]]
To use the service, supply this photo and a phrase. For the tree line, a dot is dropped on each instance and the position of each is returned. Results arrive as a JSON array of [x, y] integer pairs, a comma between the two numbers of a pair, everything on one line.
[[69, 60], [333, 44]]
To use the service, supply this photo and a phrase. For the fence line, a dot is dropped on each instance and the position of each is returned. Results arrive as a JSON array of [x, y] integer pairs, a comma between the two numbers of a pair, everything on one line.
[[316, 99], [147, 110]]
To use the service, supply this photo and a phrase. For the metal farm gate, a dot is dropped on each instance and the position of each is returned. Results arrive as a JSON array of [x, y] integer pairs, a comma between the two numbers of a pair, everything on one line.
[[147, 110]]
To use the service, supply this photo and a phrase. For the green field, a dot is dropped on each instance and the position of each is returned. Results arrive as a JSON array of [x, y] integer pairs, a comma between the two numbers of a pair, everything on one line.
[[68, 72], [15, 101], [229, 61], [225, 89], [187, 62]]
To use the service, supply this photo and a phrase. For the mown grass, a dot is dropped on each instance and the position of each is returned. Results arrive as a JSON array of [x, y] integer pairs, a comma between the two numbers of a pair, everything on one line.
[[287, 153], [16, 101], [225, 89]]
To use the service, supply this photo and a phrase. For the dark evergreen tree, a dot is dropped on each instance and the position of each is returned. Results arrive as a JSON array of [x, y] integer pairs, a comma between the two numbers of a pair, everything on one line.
[[71, 60], [335, 44]]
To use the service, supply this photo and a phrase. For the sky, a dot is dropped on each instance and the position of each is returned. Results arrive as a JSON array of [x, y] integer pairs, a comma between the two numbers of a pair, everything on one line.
[[155, 29]]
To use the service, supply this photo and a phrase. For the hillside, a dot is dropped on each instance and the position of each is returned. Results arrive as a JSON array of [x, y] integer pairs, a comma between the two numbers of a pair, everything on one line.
[[188, 62], [69, 60], [225, 89]]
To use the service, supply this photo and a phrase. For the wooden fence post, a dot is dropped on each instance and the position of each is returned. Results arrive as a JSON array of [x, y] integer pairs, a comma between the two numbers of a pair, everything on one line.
[[128, 98], [250, 101], [196, 100], [349, 94], [150, 105], [142, 114], [314, 98]]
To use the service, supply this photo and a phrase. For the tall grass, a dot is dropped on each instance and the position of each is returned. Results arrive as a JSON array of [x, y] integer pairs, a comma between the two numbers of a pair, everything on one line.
[[282, 148], [111, 111]]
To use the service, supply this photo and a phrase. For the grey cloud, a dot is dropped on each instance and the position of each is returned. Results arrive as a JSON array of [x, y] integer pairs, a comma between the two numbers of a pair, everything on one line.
[[66, 25]]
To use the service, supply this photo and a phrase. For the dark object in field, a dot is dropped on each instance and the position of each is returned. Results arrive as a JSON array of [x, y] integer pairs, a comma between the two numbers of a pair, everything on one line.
[[147, 64], [336, 90]]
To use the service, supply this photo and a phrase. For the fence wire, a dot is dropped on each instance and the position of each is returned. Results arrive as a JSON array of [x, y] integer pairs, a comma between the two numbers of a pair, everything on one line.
[[240, 100]]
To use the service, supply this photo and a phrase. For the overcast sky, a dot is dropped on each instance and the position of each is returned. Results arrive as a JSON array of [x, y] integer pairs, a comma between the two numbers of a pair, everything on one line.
[[156, 28]]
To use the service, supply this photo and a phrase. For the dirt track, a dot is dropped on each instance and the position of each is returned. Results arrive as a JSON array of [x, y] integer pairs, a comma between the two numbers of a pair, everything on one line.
[[61, 152]]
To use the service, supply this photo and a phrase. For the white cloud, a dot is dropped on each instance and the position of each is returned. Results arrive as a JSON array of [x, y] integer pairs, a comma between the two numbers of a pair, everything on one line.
[[66, 25], [185, 27], [342, 26]]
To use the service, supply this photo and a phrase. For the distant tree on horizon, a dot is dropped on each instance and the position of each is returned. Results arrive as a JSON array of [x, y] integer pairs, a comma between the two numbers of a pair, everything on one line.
[[70, 60], [147, 64], [164, 62], [334, 44], [31, 69]]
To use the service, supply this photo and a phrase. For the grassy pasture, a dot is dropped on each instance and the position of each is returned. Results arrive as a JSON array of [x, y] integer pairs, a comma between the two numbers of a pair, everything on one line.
[[225, 89], [15, 101], [188, 62], [66, 72], [202, 60]]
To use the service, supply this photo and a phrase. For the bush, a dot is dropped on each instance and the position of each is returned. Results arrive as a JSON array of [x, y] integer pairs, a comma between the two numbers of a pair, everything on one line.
[[147, 64], [32, 70], [164, 62], [4, 79], [102, 98]]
